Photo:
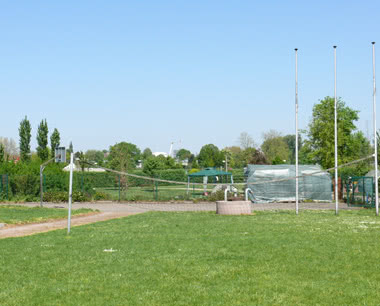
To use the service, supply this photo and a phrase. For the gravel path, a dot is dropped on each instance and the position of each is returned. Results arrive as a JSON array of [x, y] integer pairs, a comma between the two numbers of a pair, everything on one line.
[[111, 210]]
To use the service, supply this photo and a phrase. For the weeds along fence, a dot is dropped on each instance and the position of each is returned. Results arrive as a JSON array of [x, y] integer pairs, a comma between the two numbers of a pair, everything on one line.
[[105, 186]]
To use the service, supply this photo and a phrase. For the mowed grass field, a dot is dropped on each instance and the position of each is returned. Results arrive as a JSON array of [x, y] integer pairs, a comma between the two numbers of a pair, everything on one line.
[[162, 258], [14, 214]]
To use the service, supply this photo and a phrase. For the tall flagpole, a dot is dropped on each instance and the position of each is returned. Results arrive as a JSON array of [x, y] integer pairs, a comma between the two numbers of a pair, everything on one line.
[[336, 136], [296, 132], [374, 131]]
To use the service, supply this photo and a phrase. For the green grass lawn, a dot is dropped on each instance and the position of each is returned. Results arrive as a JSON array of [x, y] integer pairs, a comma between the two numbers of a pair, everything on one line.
[[14, 214], [271, 258]]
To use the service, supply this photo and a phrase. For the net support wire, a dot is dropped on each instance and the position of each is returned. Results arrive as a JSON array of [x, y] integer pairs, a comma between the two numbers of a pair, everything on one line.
[[239, 184]]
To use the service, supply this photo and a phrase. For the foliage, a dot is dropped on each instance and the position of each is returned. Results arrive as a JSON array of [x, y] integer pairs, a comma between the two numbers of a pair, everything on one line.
[[100, 195], [290, 140], [2, 153], [63, 196], [42, 140], [216, 196], [246, 141], [183, 154], [10, 147], [55, 140], [154, 163], [274, 146], [210, 156], [146, 153], [320, 143], [123, 156], [71, 148], [25, 136], [95, 157]]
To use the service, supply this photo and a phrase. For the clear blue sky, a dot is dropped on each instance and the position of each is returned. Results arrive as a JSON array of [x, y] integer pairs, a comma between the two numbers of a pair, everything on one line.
[[152, 72]]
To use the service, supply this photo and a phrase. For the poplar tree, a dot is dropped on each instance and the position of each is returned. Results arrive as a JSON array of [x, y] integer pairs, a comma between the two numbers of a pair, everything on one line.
[[2, 153], [55, 140], [42, 140], [25, 136]]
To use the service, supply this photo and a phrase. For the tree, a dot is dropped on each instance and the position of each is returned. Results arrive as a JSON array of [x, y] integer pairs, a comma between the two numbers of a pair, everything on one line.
[[95, 156], [10, 147], [320, 143], [246, 141], [210, 156], [55, 140], [71, 148], [123, 156], [25, 136], [2, 153], [183, 154], [290, 140], [42, 140], [274, 146], [146, 153]]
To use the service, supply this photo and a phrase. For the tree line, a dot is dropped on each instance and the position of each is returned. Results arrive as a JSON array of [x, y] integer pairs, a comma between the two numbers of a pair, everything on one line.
[[316, 146]]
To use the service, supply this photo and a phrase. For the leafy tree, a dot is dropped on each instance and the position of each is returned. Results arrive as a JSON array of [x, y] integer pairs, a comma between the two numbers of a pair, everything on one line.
[[10, 147], [82, 160], [146, 153], [42, 140], [25, 136], [320, 143], [183, 154], [210, 156], [95, 156], [290, 140], [2, 153], [55, 140], [274, 146], [151, 164], [71, 148], [246, 141], [123, 156]]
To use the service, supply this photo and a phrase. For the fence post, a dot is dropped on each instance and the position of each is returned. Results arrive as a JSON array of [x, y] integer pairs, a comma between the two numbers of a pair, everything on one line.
[[156, 190], [119, 187]]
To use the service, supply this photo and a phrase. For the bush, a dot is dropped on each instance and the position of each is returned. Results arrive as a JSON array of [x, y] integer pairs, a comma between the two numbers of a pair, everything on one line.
[[217, 196], [99, 195], [63, 196]]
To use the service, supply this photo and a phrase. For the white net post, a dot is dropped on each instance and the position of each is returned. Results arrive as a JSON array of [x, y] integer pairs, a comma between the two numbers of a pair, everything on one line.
[[374, 131], [296, 110], [336, 137]]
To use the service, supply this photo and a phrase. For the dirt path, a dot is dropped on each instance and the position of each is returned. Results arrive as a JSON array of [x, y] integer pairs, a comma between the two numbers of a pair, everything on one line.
[[110, 210], [35, 228]]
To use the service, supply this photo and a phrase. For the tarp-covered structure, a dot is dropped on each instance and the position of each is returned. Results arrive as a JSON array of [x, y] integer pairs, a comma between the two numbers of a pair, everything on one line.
[[316, 187]]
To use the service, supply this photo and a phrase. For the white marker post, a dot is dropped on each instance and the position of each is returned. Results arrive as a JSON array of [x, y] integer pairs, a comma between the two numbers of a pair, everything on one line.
[[336, 137], [70, 191], [296, 133], [374, 131]]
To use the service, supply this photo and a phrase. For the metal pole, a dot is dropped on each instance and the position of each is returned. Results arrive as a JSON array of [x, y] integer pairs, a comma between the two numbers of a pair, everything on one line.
[[70, 192], [296, 132], [336, 136], [375, 130]]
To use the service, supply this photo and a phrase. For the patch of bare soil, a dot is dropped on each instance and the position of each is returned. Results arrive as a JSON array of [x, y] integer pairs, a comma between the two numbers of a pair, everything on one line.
[[35, 228]]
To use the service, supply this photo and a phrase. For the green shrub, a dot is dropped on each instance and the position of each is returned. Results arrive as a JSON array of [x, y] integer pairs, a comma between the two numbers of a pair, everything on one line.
[[100, 195], [217, 196]]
